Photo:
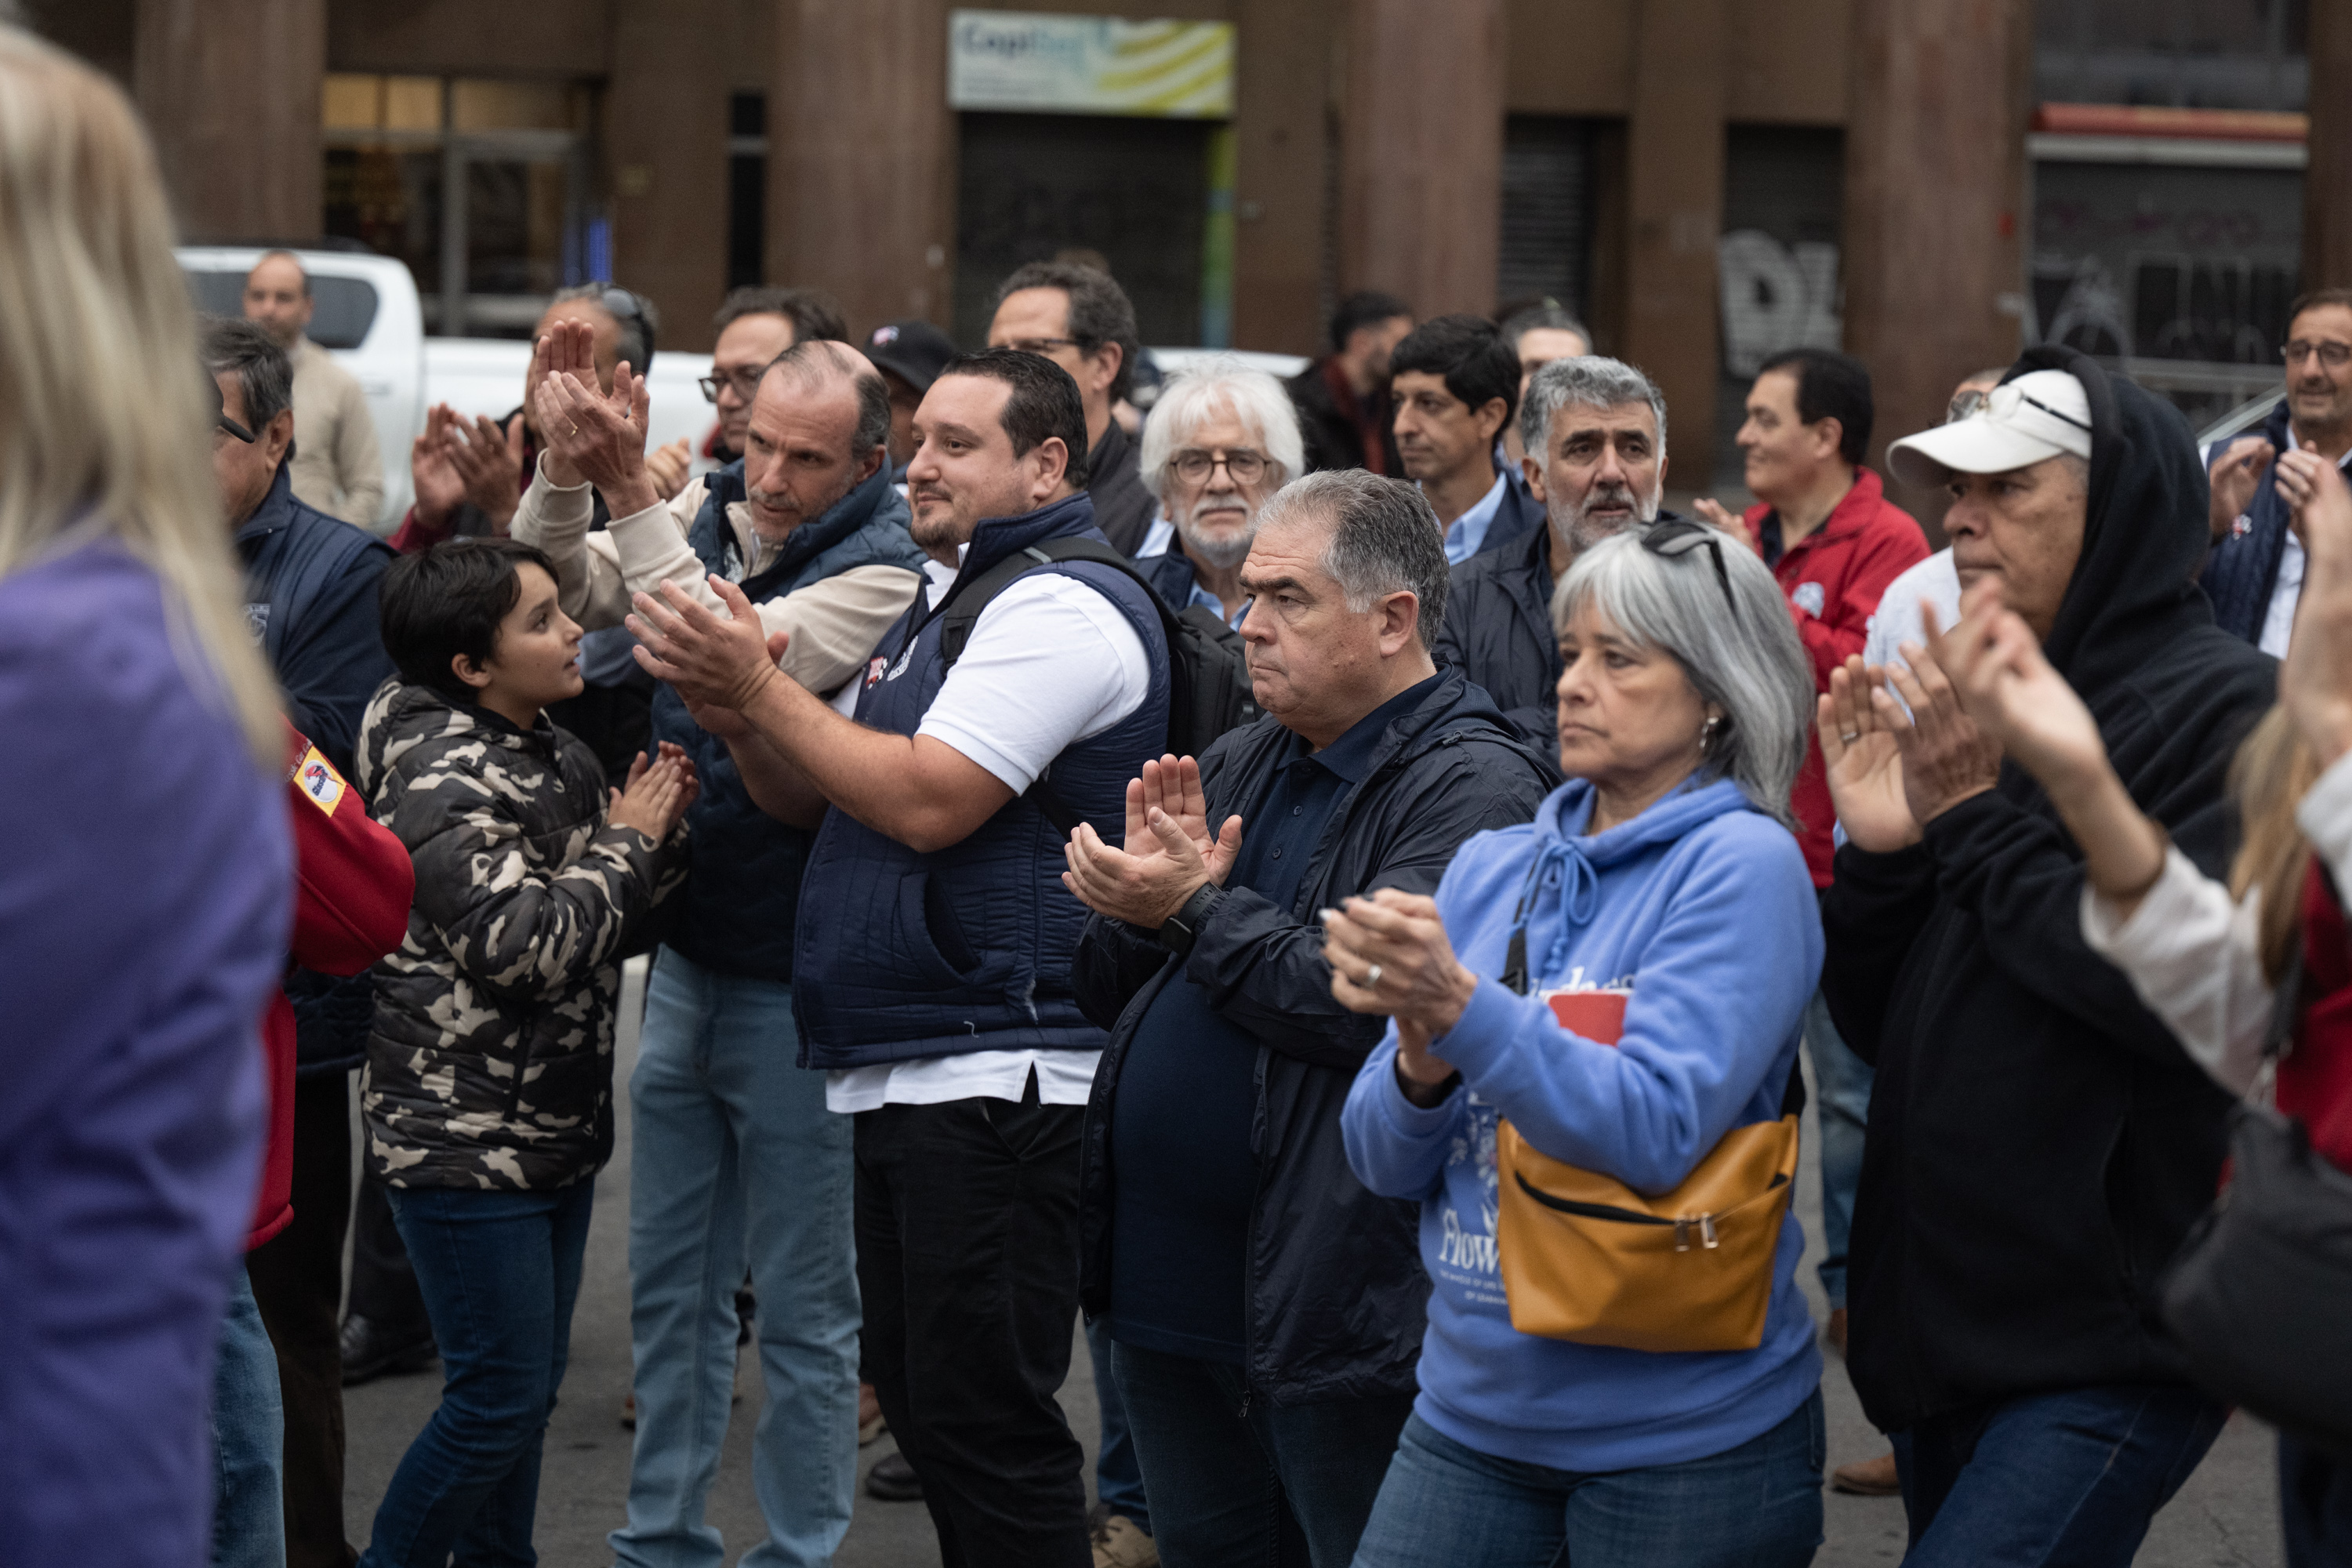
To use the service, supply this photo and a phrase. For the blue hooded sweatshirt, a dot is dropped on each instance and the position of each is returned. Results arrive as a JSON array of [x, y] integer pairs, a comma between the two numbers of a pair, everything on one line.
[[1702, 910]]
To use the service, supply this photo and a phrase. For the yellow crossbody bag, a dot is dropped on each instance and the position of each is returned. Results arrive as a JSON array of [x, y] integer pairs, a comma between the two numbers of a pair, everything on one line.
[[1587, 1259]]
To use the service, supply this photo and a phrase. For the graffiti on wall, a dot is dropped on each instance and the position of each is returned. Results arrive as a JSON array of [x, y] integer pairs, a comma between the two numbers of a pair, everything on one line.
[[1775, 296]]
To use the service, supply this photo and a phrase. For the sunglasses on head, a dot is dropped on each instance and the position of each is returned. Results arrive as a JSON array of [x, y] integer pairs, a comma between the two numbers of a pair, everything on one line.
[[221, 421], [1677, 537]]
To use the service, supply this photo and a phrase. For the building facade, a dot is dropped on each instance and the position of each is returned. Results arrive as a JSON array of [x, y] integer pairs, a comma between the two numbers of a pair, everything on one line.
[[1704, 182]]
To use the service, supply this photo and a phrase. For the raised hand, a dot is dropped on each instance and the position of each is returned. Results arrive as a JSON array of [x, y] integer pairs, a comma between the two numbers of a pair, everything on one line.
[[668, 467], [2235, 474], [489, 461], [2015, 697], [599, 436], [1864, 763], [1168, 853], [1389, 953], [722, 663], [440, 488], [1946, 760], [657, 793], [1715, 514]]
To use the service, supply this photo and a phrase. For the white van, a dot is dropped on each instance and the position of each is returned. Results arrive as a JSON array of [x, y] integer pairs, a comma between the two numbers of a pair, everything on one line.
[[369, 319]]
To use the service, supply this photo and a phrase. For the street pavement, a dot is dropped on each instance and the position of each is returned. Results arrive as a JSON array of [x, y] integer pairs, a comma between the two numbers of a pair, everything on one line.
[[2227, 1514]]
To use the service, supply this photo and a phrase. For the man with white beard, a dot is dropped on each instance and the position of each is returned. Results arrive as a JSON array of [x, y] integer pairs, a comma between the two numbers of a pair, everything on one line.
[[1595, 434], [1222, 438]]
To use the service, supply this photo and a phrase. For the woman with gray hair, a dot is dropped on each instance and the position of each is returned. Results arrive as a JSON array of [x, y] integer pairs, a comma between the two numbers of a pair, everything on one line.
[[1223, 439], [1588, 1088]]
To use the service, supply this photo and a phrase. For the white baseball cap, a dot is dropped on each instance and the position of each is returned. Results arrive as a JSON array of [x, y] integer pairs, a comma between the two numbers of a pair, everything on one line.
[[2039, 415]]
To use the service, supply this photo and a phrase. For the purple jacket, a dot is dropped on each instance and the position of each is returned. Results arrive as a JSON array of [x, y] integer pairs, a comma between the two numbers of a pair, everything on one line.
[[146, 887]]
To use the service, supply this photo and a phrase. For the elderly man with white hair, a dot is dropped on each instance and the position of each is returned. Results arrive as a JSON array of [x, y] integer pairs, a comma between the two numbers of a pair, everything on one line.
[[1223, 439]]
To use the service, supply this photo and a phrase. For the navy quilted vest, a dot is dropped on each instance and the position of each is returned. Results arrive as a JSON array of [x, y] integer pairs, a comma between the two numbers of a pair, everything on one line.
[[969, 949], [744, 888]]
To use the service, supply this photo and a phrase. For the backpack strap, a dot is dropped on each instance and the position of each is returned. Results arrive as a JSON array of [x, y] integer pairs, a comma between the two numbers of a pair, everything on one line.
[[965, 603]]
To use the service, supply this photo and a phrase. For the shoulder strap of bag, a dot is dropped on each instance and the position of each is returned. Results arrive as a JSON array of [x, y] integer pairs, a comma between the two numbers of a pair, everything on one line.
[[1515, 977]]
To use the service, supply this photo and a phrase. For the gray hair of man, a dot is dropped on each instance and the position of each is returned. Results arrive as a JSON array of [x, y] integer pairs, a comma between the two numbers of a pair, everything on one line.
[[1589, 381], [1748, 662], [264, 375], [813, 363], [1221, 384], [1384, 539]]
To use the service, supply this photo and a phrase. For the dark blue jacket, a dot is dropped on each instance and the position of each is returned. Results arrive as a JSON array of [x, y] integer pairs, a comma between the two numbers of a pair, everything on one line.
[[905, 955], [1335, 1284], [1519, 514], [743, 891], [310, 583], [2243, 571]]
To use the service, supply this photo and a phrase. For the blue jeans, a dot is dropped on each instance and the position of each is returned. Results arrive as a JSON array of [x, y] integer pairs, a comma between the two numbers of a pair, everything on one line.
[[500, 1271], [1755, 1506], [2050, 1478], [734, 1158], [1118, 1476], [1239, 1478], [248, 1441], [1842, 1081]]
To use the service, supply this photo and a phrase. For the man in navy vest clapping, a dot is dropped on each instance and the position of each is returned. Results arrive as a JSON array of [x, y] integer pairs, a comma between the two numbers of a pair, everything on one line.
[[933, 955], [733, 1153]]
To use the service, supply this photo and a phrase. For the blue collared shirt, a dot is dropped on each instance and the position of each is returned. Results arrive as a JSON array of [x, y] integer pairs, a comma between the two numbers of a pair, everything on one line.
[[1466, 534]]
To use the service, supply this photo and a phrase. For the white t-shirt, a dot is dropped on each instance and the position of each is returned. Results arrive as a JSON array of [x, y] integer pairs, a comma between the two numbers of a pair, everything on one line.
[[1051, 662]]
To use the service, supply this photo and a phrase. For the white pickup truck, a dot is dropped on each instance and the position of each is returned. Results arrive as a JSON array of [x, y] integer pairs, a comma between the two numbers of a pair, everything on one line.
[[368, 318]]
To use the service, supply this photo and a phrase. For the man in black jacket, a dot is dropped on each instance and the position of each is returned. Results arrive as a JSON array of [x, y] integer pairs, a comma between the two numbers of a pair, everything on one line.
[[1595, 431], [1265, 1310], [2038, 1143], [1080, 318], [1343, 397]]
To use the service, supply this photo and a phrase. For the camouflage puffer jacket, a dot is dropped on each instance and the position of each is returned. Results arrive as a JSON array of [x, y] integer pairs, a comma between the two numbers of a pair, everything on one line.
[[490, 1063]]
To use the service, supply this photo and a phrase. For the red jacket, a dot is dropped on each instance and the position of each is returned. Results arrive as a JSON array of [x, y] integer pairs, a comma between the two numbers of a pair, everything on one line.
[[2315, 1079], [1834, 578], [352, 885]]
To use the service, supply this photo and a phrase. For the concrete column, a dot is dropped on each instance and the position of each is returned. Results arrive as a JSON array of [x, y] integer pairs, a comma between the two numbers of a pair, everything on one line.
[[1421, 163], [230, 91], [1674, 186], [666, 134], [1935, 179], [2328, 182], [861, 164], [1286, 88]]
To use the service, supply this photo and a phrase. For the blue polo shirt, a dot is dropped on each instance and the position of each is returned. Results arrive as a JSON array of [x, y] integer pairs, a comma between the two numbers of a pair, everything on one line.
[[1184, 1173]]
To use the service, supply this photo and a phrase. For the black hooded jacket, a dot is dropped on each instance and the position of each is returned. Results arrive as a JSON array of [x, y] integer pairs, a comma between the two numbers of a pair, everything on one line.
[[1336, 1290], [2038, 1142]]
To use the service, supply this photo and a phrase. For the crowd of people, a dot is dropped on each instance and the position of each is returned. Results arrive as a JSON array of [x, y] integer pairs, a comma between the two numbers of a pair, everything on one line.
[[1330, 883]]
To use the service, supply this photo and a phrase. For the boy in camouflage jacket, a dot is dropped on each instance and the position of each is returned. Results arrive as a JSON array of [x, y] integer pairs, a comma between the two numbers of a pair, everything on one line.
[[487, 1092]]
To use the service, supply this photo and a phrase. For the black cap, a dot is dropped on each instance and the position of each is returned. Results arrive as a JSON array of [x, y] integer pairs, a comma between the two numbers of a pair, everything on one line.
[[915, 351]]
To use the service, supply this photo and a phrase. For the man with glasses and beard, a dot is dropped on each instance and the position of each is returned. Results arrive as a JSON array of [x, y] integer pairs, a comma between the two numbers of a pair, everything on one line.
[[1595, 431], [2254, 576], [1222, 440]]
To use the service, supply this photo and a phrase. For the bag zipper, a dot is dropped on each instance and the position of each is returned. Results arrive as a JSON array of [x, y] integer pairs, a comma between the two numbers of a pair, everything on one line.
[[1703, 1223]]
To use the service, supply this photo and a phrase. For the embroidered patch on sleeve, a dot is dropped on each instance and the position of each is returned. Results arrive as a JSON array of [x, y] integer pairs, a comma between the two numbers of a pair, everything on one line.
[[318, 780]]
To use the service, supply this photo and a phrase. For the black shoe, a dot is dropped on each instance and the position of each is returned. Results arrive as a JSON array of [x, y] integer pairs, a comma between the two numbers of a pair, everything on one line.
[[371, 1351], [893, 1480]]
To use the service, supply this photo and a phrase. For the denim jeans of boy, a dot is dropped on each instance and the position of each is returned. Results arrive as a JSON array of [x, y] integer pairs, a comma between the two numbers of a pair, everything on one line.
[[1446, 1505], [500, 1271], [248, 1441], [733, 1159], [1239, 1478], [1842, 1081], [2070, 1477]]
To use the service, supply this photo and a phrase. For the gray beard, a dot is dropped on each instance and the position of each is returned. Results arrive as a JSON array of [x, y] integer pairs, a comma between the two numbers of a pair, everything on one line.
[[1222, 554], [1582, 532]]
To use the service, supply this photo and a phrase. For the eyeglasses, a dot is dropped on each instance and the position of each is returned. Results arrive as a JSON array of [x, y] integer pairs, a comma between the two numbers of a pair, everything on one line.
[[2334, 356], [1965, 403], [746, 383], [1043, 345], [1193, 464], [1678, 537]]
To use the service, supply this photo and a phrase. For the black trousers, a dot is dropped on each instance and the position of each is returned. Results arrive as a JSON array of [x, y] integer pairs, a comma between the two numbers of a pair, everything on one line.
[[383, 1287], [968, 1258], [298, 1281]]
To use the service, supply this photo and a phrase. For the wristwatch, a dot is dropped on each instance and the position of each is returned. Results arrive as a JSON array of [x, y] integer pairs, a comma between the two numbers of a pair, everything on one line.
[[1185, 924]]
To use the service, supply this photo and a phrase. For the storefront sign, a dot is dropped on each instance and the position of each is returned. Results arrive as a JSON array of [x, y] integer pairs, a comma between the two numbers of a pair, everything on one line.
[[1041, 63]]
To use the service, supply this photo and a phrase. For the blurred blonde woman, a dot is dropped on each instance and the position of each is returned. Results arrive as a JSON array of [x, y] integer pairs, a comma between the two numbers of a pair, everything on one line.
[[144, 870], [2209, 957]]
